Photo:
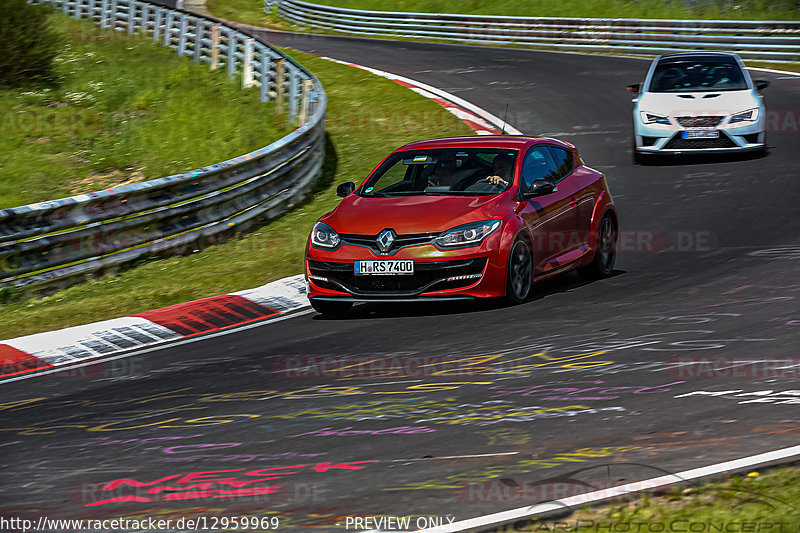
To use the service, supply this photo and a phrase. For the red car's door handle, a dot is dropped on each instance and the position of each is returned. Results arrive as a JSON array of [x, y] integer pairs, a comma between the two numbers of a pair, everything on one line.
[[574, 201]]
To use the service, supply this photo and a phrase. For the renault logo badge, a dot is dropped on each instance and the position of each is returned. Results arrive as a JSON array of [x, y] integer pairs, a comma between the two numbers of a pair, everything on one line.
[[385, 240]]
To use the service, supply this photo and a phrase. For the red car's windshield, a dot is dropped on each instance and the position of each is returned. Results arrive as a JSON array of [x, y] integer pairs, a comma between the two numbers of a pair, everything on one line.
[[443, 171]]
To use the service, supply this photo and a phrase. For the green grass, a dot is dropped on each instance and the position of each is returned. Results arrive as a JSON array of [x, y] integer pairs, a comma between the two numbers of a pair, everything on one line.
[[246, 11], [763, 500], [678, 9], [791, 67], [368, 116], [124, 110]]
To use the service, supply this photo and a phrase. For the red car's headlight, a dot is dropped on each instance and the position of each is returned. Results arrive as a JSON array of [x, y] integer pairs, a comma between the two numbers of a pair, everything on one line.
[[324, 236], [467, 235]]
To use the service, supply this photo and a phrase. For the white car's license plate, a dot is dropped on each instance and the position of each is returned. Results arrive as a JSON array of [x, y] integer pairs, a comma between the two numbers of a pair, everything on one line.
[[384, 267], [700, 134]]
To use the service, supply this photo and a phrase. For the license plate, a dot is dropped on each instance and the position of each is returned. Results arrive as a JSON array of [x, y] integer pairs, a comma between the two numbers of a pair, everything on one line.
[[700, 134], [384, 268]]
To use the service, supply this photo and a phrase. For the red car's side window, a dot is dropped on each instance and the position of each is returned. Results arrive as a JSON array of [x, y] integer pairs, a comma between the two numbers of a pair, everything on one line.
[[539, 165], [564, 161]]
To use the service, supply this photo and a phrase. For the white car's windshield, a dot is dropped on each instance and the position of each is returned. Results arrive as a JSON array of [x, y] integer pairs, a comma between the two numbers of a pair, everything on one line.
[[699, 74], [443, 172]]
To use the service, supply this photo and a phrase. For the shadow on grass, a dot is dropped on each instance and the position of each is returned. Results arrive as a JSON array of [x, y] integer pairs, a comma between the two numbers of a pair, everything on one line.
[[329, 167]]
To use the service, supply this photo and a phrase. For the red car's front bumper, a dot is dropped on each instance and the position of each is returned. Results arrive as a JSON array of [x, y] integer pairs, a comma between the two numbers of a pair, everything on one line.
[[475, 272]]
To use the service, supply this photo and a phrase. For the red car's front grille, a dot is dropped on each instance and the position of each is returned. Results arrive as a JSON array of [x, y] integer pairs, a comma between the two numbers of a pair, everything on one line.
[[428, 276], [400, 241]]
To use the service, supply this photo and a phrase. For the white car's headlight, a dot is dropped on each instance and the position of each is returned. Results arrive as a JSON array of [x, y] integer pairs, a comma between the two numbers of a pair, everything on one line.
[[653, 118], [467, 235], [324, 236], [745, 116]]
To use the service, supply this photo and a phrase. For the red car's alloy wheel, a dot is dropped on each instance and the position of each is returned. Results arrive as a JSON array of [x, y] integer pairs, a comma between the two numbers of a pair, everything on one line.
[[603, 263], [520, 272]]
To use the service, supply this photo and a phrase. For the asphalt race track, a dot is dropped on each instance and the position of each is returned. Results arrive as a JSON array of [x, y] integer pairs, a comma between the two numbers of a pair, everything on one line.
[[686, 357]]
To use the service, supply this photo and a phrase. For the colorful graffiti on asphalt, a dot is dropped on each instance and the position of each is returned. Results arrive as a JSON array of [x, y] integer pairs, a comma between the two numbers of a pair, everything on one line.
[[579, 391], [448, 411], [457, 481], [215, 484]]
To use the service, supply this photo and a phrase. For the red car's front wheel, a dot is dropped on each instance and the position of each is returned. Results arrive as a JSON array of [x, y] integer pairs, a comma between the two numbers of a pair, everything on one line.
[[520, 272]]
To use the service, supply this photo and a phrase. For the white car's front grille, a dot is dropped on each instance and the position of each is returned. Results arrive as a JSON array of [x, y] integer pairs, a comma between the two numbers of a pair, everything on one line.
[[699, 122]]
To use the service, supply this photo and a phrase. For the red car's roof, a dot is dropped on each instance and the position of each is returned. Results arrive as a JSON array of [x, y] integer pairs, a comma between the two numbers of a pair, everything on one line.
[[481, 141]]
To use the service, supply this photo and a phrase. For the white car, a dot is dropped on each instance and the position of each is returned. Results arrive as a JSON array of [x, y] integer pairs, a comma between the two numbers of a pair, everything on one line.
[[697, 102]]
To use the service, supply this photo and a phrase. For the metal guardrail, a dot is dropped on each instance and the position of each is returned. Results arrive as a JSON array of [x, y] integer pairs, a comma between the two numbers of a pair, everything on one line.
[[56, 242], [765, 40]]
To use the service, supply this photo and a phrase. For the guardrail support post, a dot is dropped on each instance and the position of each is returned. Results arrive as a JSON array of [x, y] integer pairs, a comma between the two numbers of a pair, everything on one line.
[[199, 31], [91, 10], [280, 79], [113, 13], [263, 91], [247, 64], [214, 47], [230, 61], [103, 14], [157, 23], [293, 90], [144, 16], [131, 16], [304, 101], [168, 29], [184, 27], [65, 7]]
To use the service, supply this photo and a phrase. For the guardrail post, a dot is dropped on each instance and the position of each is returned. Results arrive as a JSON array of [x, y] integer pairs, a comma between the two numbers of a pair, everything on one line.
[[144, 16], [199, 31], [103, 14], [167, 40], [293, 93], [113, 14], [214, 47], [157, 23], [230, 61], [247, 64], [182, 35], [65, 7], [92, 7], [304, 100], [263, 91], [280, 79], [131, 16]]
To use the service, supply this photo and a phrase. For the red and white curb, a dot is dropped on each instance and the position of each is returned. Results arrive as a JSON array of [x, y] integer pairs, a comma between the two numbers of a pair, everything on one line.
[[62, 348], [481, 121]]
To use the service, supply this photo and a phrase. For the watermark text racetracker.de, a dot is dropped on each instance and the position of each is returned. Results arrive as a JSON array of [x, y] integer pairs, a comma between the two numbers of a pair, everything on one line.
[[293, 367], [49, 121], [733, 367], [201, 523]]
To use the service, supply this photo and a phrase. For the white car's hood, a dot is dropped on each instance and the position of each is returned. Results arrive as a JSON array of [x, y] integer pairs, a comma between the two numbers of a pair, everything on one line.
[[703, 104]]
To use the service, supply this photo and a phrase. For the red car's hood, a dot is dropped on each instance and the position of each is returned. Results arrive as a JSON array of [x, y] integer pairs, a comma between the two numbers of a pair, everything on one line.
[[411, 214]]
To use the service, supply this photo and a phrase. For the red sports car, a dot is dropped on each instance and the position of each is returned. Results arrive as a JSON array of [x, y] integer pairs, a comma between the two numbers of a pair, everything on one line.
[[465, 217]]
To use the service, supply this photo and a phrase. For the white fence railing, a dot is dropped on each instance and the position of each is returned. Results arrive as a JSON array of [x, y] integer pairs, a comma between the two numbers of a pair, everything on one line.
[[764, 40]]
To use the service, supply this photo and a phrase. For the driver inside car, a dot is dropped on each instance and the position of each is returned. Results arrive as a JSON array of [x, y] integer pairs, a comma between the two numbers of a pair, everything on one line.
[[501, 170]]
